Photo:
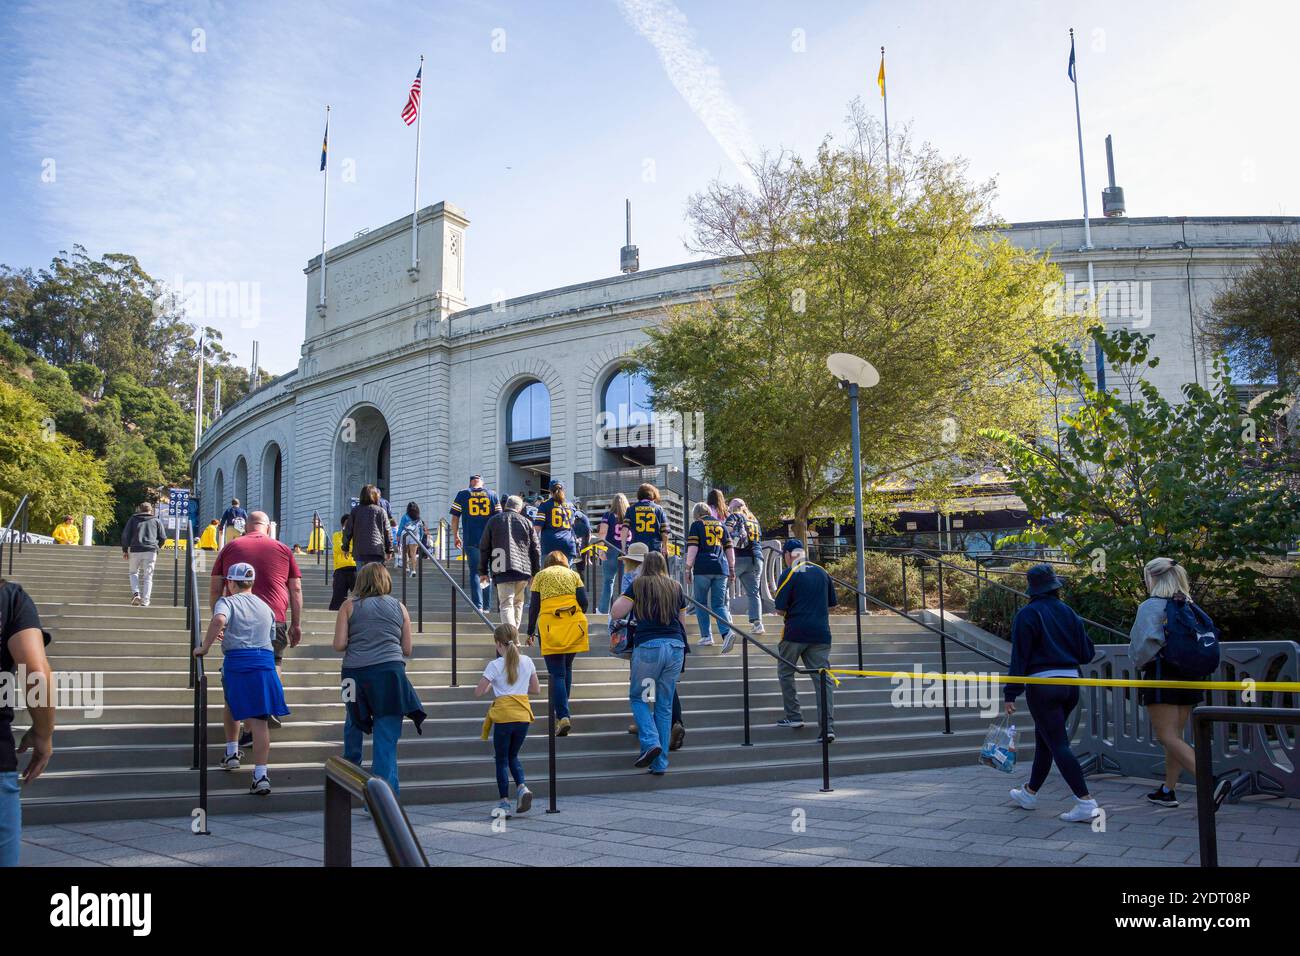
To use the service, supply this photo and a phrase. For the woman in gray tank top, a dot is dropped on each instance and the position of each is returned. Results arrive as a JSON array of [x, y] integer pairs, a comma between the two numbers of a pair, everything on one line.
[[373, 631]]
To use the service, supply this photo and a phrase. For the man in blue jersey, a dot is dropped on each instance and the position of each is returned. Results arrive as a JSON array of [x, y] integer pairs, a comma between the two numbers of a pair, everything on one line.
[[473, 505], [804, 596], [647, 521]]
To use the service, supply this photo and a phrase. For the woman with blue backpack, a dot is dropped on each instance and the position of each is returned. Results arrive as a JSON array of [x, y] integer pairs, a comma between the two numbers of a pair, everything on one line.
[[1171, 639]]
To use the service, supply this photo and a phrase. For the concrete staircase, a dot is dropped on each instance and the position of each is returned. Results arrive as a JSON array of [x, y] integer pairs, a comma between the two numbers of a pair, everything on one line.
[[134, 760]]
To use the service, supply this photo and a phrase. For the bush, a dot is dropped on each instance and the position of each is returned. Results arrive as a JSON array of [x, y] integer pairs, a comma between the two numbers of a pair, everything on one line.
[[884, 577]]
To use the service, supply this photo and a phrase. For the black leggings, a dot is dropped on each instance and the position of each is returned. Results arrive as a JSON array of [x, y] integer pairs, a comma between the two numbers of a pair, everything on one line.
[[1050, 705]]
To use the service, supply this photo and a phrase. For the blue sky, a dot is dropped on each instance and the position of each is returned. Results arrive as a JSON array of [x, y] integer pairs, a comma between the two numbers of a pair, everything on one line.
[[204, 163]]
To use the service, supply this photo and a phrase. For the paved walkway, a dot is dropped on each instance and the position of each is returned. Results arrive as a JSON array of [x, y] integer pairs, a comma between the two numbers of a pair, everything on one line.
[[946, 817]]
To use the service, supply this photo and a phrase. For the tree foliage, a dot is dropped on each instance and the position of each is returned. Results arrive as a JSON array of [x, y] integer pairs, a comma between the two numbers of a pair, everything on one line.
[[35, 459], [903, 267], [1255, 320], [1133, 476]]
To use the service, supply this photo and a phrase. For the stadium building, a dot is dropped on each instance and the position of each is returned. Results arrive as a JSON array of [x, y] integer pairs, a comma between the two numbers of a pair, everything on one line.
[[403, 384]]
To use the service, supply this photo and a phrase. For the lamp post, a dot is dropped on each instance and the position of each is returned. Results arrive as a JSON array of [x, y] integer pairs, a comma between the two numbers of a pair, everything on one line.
[[855, 374]]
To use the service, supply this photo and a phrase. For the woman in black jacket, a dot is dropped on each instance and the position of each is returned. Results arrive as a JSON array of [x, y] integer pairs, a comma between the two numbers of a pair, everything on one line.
[[367, 536]]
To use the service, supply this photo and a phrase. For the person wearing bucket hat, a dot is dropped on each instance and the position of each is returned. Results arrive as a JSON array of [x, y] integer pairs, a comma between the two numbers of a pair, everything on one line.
[[1048, 640]]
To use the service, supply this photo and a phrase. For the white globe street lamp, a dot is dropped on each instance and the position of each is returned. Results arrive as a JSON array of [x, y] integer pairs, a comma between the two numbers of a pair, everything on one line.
[[855, 373]]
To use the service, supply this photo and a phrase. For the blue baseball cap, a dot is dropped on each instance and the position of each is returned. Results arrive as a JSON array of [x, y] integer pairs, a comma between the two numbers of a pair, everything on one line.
[[556, 485], [792, 544]]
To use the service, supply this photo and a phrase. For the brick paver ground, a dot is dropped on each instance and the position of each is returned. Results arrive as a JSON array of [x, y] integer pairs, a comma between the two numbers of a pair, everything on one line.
[[955, 816]]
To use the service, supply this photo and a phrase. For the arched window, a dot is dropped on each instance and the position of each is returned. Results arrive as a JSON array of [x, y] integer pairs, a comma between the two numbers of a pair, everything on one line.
[[627, 401], [530, 413]]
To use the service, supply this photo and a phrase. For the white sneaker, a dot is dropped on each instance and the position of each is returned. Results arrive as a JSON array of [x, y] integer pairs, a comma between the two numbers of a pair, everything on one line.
[[1023, 797], [1081, 812], [135, 600], [706, 642]]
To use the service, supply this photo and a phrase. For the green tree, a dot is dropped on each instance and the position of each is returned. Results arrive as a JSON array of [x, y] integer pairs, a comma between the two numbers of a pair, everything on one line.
[[35, 459], [902, 266], [1256, 318], [1133, 476]]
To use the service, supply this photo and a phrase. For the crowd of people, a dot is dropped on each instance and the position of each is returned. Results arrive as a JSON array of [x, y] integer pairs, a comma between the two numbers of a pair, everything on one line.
[[528, 560]]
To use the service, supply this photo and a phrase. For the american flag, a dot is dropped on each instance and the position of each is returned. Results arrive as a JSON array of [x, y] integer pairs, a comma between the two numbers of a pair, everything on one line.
[[412, 108]]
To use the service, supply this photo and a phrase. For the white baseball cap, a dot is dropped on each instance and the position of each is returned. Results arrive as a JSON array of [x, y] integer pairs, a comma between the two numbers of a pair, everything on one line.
[[243, 571]]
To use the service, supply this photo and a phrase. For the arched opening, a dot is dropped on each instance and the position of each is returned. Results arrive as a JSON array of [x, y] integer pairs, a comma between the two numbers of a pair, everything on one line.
[[625, 426], [218, 502], [241, 481], [362, 452], [527, 468], [271, 477]]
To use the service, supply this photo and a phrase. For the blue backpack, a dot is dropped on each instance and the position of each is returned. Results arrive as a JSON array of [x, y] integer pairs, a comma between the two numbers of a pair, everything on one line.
[[1191, 639]]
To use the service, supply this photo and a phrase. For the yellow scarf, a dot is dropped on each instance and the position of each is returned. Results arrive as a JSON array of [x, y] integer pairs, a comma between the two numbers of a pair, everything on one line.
[[510, 709]]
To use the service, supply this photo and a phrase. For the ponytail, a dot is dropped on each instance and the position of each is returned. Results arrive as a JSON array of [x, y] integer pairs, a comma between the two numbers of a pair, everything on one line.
[[506, 635]]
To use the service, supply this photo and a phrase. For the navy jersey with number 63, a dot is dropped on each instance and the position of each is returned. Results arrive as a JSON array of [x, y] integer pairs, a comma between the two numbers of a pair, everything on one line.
[[555, 523], [475, 506]]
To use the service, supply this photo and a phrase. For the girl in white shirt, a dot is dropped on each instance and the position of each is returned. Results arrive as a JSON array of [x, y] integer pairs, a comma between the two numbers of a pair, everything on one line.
[[511, 677]]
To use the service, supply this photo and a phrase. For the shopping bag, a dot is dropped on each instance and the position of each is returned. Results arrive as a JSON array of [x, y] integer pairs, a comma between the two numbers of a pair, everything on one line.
[[999, 749]]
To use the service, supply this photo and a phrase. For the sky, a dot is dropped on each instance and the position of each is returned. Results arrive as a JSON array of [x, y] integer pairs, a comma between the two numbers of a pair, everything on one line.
[[188, 133]]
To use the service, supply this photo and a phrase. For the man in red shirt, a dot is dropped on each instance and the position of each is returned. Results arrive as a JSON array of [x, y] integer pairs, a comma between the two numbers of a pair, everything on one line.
[[278, 581]]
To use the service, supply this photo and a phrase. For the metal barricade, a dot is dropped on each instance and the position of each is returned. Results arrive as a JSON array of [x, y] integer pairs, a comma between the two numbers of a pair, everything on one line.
[[1113, 734]]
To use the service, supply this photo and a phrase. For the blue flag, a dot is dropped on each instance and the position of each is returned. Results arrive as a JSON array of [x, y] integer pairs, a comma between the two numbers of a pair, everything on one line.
[[1070, 71], [324, 145]]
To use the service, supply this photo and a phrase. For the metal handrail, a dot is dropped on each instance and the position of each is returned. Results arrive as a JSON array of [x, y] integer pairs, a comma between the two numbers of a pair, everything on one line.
[[747, 639], [345, 780], [198, 677], [423, 552], [1202, 718], [22, 510], [996, 584]]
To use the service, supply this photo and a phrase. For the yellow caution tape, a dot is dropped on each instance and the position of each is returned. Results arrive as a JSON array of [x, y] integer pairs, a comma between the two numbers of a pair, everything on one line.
[[1246, 684]]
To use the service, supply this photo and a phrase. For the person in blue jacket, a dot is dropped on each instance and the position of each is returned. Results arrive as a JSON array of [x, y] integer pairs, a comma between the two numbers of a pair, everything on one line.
[[1048, 640], [555, 523]]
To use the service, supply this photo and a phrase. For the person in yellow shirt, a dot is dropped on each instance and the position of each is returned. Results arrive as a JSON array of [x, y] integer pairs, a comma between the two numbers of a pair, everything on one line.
[[345, 568], [67, 532], [208, 539]]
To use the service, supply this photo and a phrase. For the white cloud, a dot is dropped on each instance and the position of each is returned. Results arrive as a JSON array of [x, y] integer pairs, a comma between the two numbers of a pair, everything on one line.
[[694, 74]]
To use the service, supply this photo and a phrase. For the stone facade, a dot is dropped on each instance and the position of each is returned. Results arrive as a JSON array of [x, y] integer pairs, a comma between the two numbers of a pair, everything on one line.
[[401, 383]]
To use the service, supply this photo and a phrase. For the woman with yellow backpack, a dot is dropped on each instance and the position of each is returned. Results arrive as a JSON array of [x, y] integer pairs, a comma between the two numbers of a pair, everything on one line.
[[556, 612]]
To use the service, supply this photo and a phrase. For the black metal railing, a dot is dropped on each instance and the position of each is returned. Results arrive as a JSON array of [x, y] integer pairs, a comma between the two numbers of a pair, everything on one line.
[[747, 639], [422, 554], [1206, 805], [16, 528], [198, 677], [344, 780], [1011, 601]]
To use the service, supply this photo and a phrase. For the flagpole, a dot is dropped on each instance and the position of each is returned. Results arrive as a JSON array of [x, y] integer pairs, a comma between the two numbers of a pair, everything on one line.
[[1083, 186], [415, 207], [198, 398], [325, 209], [884, 94]]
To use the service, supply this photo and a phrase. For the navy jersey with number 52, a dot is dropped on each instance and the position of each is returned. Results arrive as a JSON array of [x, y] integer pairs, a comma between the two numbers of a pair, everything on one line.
[[648, 524]]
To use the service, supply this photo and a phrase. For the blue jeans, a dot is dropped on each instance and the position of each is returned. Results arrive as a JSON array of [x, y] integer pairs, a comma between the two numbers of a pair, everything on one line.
[[481, 596], [749, 572], [657, 662], [11, 818], [560, 669], [711, 591], [383, 757], [507, 739], [611, 574]]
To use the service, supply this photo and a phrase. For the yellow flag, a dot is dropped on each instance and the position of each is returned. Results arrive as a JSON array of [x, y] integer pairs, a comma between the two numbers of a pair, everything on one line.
[[880, 77]]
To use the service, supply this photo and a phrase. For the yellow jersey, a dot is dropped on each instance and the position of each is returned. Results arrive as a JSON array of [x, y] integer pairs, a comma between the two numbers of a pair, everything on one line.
[[341, 558], [67, 533]]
